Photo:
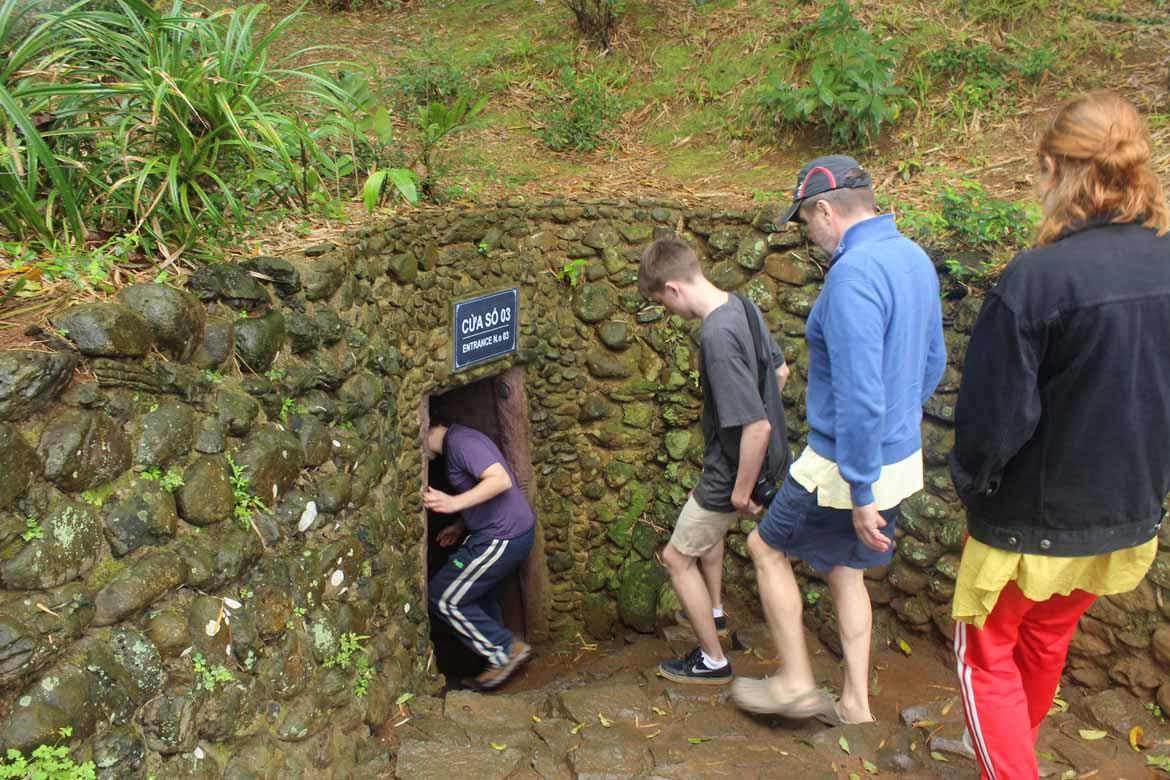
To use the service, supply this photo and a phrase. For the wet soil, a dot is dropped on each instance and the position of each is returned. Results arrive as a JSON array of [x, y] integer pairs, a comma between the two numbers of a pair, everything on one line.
[[581, 710]]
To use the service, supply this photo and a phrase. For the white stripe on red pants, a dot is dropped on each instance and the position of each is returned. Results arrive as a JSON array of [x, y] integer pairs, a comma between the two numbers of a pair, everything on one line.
[[1009, 672]]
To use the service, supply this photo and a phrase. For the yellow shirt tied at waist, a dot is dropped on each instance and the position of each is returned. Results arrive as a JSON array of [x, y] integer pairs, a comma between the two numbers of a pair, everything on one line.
[[896, 482], [985, 571]]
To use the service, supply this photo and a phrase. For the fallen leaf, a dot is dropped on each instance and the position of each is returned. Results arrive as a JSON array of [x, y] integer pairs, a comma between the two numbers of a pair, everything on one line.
[[844, 743], [1044, 754], [854, 776], [1092, 734], [1159, 762], [1059, 704], [904, 646], [403, 699], [576, 727], [498, 746], [658, 710], [937, 756], [604, 720], [536, 719], [870, 767], [652, 736], [1068, 774], [698, 740], [1135, 738]]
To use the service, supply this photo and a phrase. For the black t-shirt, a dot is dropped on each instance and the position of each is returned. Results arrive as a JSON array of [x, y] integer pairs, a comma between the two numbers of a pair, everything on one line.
[[731, 382]]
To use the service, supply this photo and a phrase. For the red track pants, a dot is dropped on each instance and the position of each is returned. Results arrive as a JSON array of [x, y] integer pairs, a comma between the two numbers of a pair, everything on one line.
[[1009, 672]]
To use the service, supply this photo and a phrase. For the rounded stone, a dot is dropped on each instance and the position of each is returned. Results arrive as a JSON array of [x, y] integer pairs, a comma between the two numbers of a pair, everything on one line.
[[162, 435], [175, 317], [138, 587], [230, 283], [206, 496], [638, 594], [18, 464], [237, 412], [258, 340], [147, 517], [615, 334], [277, 271], [272, 460], [594, 302], [30, 380], [83, 449], [751, 252], [105, 330], [168, 632], [217, 345], [70, 544], [301, 331]]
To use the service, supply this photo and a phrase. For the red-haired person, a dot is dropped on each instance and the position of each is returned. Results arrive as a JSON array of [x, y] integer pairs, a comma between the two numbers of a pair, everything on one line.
[[1062, 440]]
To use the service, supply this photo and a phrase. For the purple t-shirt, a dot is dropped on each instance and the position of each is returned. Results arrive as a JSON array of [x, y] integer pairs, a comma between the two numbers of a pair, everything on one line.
[[469, 453]]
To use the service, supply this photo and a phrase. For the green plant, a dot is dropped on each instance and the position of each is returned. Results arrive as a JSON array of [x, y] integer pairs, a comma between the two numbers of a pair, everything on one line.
[[572, 272], [291, 406], [435, 123], [46, 762], [207, 676], [849, 92], [171, 481], [975, 219], [361, 680], [578, 111], [349, 644], [246, 504], [214, 377], [164, 126], [274, 374], [32, 530], [431, 77], [596, 19]]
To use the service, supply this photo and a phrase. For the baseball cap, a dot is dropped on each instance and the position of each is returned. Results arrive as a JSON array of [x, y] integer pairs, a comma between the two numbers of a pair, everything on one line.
[[824, 174]]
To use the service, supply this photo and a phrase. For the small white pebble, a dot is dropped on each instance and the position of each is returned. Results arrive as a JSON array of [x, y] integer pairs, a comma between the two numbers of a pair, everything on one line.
[[336, 443], [308, 516], [199, 753], [406, 609], [337, 578], [212, 628]]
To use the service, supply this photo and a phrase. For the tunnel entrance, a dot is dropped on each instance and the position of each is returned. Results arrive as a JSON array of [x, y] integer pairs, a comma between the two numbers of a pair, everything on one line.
[[497, 406]]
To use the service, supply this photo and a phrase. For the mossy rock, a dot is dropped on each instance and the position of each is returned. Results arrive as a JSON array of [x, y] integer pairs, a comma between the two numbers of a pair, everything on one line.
[[70, 545], [638, 594], [30, 380], [175, 317], [83, 449], [163, 434], [105, 330], [594, 302], [18, 464]]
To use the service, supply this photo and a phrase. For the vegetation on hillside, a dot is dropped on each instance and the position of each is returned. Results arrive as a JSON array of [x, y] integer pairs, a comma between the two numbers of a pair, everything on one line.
[[137, 135]]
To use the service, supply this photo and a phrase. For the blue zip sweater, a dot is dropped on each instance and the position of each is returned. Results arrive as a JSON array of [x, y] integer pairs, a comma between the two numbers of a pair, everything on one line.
[[876, 353]]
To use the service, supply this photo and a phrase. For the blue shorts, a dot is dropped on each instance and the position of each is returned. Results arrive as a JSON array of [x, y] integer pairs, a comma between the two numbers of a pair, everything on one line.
[[821, 536]]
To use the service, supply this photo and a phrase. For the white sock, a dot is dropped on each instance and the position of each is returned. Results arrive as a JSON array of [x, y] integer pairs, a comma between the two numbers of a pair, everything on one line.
[[712, 663], [717, 611]]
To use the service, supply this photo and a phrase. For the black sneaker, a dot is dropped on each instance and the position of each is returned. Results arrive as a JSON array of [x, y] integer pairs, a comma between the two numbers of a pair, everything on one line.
[[693, 669], [681, 618]]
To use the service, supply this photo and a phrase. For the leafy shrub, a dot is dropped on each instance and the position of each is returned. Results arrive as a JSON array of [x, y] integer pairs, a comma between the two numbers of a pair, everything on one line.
[[850, 92], [975, 219], [46, 762], [578, 112], [173, 125], [596, 19], [432, 78]]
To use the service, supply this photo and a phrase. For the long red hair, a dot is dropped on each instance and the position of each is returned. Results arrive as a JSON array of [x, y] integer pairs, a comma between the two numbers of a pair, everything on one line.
[[1097, 152]]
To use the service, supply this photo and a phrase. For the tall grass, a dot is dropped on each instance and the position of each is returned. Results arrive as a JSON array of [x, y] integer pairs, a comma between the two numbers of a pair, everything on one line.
[[171, 125]]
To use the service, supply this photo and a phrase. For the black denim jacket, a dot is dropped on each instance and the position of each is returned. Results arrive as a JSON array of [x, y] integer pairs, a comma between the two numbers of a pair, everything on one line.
[[1062, 427]]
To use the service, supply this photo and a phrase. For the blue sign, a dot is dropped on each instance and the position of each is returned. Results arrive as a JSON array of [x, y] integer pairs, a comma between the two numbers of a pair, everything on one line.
[[486, 327]]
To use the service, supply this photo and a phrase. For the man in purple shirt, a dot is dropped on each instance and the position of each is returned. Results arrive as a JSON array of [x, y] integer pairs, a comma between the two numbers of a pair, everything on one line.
[[500, 528]]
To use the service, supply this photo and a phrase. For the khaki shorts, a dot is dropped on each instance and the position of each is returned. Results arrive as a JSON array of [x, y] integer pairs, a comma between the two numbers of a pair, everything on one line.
[[698, 529]]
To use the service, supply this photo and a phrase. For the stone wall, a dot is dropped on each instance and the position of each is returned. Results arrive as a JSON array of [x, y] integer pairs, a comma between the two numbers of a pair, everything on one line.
[[208, 628]]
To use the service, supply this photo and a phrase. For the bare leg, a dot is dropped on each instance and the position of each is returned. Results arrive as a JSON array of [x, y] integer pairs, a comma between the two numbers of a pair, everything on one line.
[[692, 592], [711, 563], [855, 624], [780, 596]]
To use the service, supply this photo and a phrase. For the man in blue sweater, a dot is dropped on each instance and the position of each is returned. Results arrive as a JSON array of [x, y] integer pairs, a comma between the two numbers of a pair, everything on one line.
[[876, 353]]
